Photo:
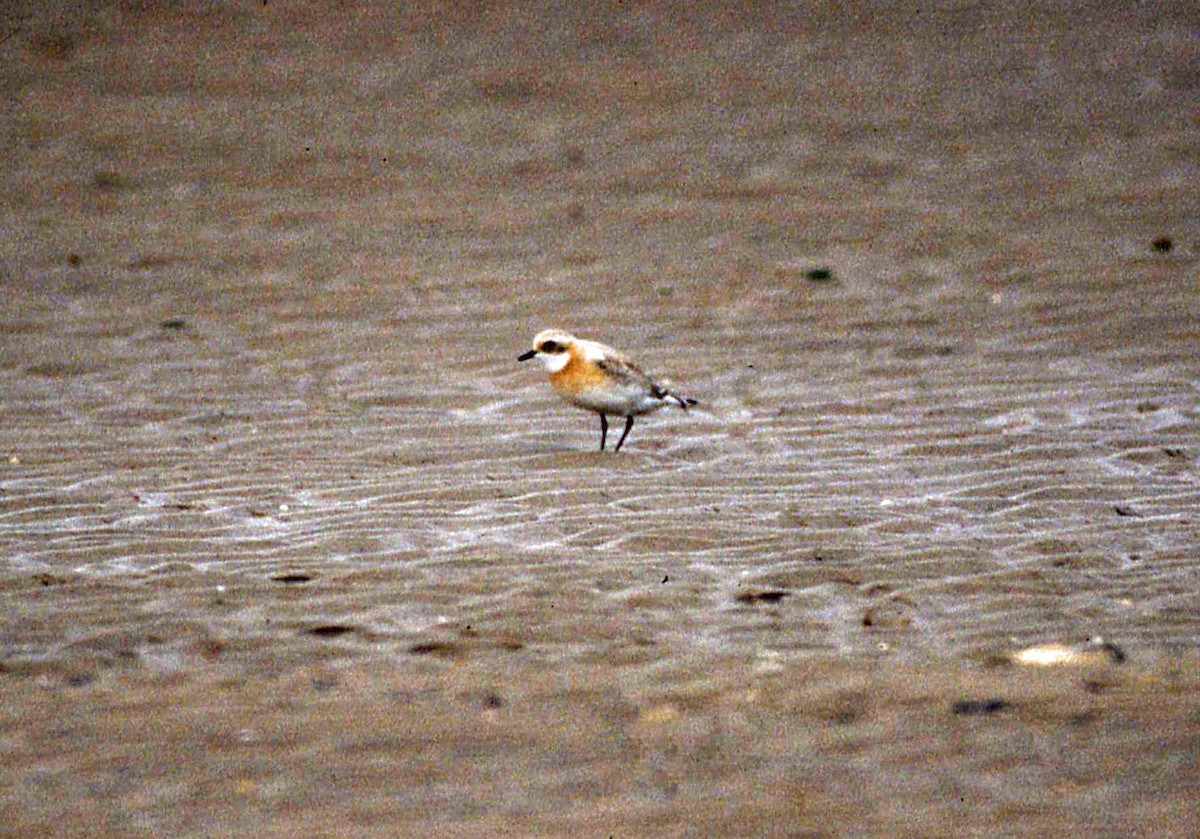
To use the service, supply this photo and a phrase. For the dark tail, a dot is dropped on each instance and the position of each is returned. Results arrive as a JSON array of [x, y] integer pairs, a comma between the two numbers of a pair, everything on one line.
[[663, 392]]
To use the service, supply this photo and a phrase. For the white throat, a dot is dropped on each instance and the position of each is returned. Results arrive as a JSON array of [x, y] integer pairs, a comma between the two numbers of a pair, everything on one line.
[[554, 362]]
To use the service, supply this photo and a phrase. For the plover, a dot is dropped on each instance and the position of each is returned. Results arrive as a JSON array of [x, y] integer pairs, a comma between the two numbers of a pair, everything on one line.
[[598, 378]]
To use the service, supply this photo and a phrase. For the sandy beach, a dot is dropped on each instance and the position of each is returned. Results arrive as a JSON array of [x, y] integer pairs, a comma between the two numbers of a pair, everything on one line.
[[291, 545]]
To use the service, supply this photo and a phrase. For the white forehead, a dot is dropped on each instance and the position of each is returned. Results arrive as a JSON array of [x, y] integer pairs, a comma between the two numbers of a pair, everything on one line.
[[553, 335]]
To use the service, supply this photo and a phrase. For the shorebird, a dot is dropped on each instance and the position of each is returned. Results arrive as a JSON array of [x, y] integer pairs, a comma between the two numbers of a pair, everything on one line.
[[595, 377]]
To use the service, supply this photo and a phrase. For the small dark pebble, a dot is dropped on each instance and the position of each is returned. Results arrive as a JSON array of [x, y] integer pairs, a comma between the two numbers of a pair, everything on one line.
[[48, 579], [73, 259], [441, 648], [81, 679], [209, 649], [818, 275], [174, 323], [108, 180], [492, 700], [978, 707], [54, 47], [1163, 244], [1115, 654], [917, 352], [666, 578], [574, 155], [292, 578], [329, 630], [1127, 511], [760, 596], [151, 261], [323, 684]]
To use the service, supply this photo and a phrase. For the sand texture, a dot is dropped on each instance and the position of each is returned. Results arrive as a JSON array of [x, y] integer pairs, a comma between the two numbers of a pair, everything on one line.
[[290, 545]]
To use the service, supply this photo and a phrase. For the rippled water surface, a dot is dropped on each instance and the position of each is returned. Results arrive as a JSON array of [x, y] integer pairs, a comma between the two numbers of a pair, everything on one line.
[[290, 544]]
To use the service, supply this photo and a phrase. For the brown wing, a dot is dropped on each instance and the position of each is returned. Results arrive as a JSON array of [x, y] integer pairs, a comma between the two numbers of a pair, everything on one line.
[[629, 375], [626, 373]]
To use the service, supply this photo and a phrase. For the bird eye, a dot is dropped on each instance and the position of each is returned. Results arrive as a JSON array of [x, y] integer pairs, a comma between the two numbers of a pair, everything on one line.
[[550, 346]]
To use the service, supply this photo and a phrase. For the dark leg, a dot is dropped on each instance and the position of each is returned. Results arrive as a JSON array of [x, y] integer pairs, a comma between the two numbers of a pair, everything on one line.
[[628, 425], [603, 430]]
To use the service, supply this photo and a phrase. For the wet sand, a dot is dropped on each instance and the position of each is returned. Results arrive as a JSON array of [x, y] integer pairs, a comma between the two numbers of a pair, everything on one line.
[[290, 544]]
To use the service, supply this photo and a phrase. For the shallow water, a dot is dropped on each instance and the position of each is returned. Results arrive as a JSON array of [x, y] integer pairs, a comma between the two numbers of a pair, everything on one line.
[[290, 543]]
